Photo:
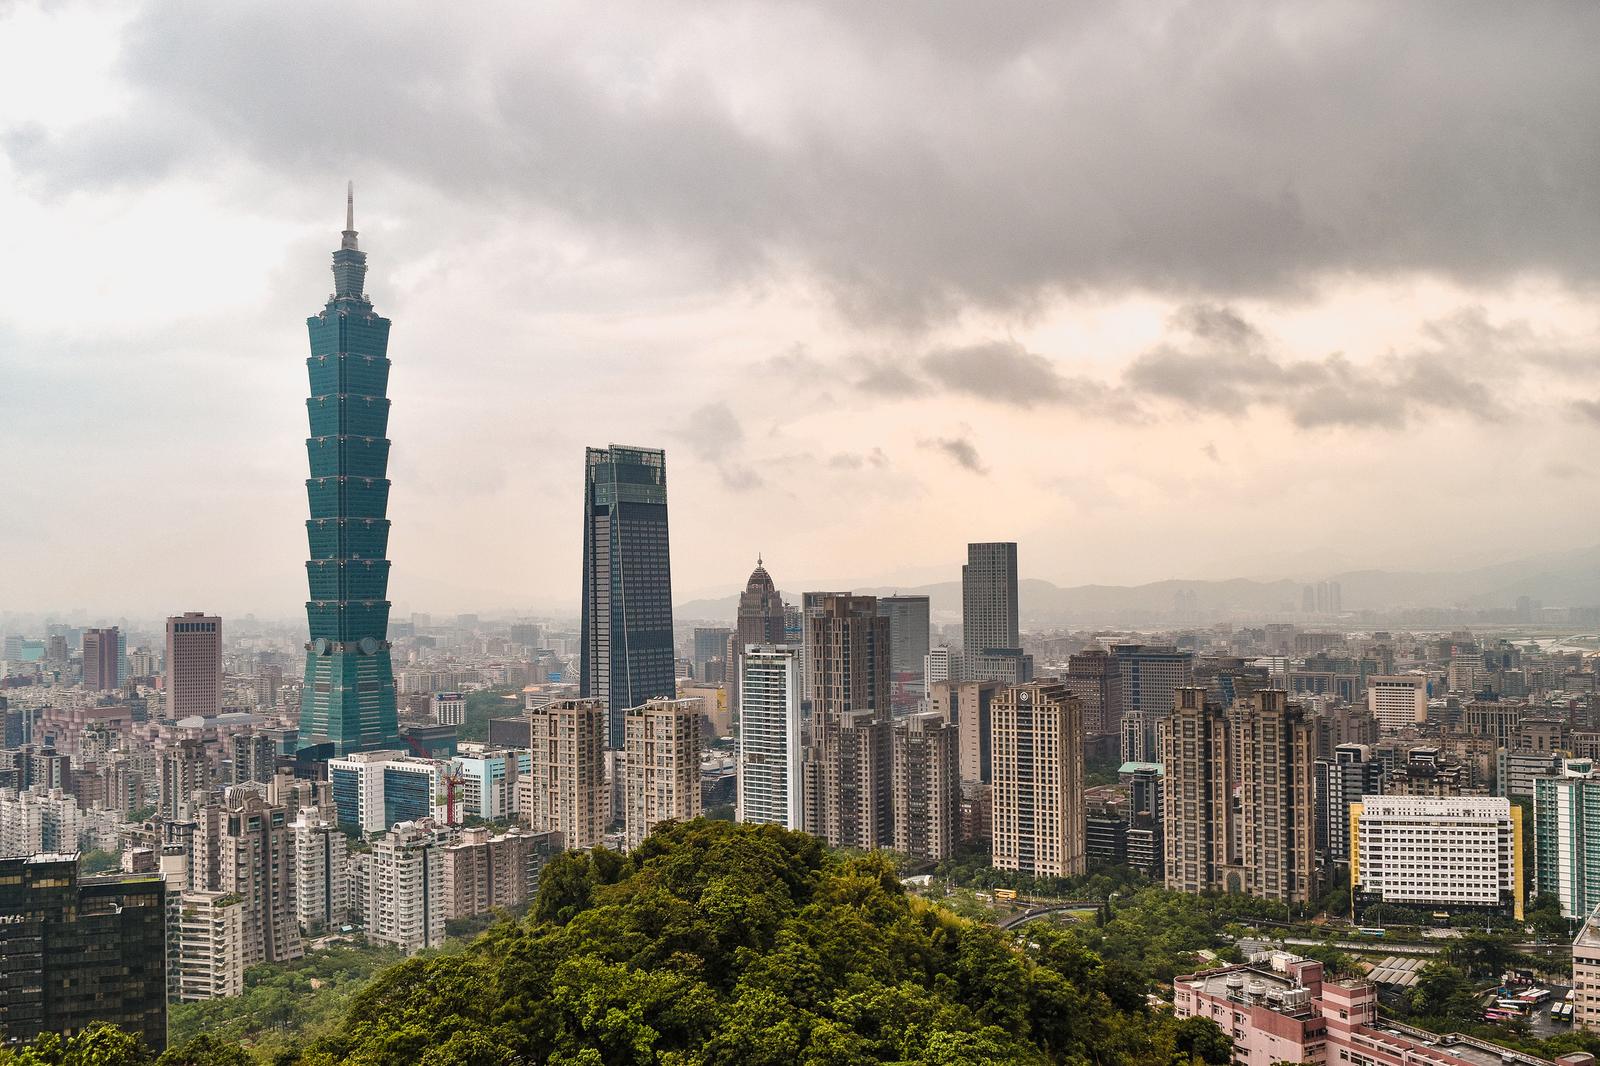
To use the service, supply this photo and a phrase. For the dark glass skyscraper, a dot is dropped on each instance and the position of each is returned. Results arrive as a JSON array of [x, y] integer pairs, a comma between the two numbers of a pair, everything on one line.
[[349, 698], [627, 654]]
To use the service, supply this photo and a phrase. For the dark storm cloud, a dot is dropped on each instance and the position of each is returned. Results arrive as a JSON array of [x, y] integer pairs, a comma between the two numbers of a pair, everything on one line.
[[959, 450], [916, 164]]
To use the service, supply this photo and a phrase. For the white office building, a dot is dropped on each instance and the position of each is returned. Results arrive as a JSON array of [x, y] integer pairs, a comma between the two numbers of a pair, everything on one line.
[[372, 790], [1398, 700], [488, 782], [1437, 851], [769, 775], [448, 708]]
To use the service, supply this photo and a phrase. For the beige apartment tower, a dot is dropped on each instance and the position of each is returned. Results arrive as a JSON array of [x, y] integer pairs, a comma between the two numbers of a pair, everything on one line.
[[927, 787], [565, 791], [1263, 844], [194, 665], [1037, 760], [661, 774]]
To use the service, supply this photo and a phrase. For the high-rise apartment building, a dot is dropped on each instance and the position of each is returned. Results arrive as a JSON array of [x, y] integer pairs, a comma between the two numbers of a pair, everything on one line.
[[927, 787], [79, 950], [484, 873], [1452, 852], [258, 864], [207, 945], [194, 665], [966, 705], [255, 758], [1566, 832], [1586, 975], [851, 805], [1096, 679], [1398, 701], [185, 770], [627, 654], [402, 888], [848, 642], [1037, 760], [1263, 842], [770, 775], [102, 659], [848, 789], [321, 874], [348, 697], [565, 791], [661, 774], [991, 640]]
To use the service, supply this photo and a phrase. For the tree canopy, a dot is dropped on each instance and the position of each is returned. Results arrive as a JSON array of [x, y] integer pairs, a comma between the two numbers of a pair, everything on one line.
[[717, 944]]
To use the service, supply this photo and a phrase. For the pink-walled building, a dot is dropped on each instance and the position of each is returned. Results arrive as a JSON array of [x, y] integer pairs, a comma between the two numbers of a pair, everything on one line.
[[1283, 1011]]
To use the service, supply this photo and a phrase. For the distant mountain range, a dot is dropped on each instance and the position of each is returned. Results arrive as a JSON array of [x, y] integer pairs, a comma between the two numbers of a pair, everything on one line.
[[1558, 579]]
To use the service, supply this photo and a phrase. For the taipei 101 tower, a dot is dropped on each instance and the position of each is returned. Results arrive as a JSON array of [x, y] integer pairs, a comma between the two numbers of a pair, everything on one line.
[[348, 703]]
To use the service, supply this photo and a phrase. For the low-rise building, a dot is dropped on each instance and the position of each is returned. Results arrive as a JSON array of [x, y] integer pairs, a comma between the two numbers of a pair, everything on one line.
[[1281, 1009]]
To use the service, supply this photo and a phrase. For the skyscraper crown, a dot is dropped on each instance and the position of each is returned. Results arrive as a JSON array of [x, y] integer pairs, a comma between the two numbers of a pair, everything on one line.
[[349, 262]]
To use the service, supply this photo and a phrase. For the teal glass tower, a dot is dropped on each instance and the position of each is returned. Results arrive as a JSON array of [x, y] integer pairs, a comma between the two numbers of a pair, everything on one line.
[[348, 702]]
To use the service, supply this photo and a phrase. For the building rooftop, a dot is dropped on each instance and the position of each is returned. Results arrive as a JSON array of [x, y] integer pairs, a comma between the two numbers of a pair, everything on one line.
[[1589, 932], [1257, 985]]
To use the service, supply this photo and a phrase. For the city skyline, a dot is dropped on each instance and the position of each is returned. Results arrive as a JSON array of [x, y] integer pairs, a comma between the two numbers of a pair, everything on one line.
[[1186, 318]]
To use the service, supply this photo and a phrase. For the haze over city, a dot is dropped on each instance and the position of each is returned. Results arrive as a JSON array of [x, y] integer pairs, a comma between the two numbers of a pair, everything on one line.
[[1158, 290]]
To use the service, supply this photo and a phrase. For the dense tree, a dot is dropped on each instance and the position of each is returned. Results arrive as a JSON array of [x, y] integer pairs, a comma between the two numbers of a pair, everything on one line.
[[725, 945]]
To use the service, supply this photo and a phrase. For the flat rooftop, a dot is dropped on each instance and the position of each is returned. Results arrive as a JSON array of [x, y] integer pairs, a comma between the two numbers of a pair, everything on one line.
[[1467, 1049]]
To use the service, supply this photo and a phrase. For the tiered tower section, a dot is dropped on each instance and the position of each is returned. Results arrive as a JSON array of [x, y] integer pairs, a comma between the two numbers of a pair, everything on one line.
[[349, 697]]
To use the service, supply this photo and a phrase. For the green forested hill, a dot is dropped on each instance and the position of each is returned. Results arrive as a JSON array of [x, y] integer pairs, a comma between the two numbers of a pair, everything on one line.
[[747, 945]]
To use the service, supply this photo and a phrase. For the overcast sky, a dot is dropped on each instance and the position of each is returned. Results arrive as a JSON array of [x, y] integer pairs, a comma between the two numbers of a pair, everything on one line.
[[1156, 289]]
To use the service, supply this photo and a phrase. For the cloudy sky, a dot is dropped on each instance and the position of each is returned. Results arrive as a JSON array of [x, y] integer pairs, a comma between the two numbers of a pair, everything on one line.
[[1157, 289]]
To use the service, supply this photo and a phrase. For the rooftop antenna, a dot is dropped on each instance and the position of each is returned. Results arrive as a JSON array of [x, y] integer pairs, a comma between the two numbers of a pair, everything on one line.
[[349, 216]]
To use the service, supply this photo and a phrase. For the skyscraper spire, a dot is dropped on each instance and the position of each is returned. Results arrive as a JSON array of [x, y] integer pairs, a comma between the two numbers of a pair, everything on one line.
[[350, 217]]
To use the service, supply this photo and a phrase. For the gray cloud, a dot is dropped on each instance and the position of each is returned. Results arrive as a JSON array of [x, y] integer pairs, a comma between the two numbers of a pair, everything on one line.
[[711, 430], [1588, 410], [857, 461], [1005, 372], [1217, 362], [960, 450], [889, 378], [917, 166]]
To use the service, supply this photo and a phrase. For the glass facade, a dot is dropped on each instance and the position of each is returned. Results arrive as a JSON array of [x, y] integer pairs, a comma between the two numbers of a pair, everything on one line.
[[627, 655], [407, 795], [346, 787], [348, 700]]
